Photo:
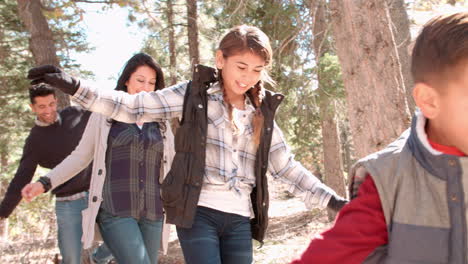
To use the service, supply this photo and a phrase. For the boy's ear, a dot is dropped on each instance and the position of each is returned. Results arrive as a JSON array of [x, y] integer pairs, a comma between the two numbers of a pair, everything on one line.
[[427, 99], [219, 59]]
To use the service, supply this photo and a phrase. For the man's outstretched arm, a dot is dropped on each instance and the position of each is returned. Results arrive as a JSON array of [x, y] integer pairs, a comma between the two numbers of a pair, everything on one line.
[[23, 176]]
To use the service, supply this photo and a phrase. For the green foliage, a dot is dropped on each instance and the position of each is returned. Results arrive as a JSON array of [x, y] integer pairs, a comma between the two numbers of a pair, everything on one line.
[[288, 25], [15, 60], [154, 18], [330, 74], [64, 18]]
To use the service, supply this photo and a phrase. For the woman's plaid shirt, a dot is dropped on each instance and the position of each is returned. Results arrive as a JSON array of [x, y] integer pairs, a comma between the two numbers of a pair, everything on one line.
[[168, 103]]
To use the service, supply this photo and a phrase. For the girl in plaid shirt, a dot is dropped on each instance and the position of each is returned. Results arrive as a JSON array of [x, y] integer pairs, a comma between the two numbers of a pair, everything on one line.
[[219, 230]]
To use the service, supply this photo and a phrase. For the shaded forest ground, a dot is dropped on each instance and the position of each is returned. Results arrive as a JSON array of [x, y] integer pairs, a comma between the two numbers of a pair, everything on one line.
[[290, 229]]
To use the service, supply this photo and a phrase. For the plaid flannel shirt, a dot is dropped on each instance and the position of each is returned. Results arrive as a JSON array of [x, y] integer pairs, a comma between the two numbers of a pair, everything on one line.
[[133, 159], [168, 103]]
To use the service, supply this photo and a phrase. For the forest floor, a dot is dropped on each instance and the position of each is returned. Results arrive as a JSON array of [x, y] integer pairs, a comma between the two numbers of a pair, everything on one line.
[[290, 230]]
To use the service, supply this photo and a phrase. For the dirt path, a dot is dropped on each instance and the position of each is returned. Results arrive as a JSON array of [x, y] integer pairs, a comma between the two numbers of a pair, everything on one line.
[[290, 230]]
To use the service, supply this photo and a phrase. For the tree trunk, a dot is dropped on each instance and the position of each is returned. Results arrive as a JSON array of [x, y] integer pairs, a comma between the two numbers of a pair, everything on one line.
[[4, 228], [401, 29], [376, 99], [347, 148], [192, 32], [172, 48], [3, 187], [334, 176], [172, 55], [41, 42], [332, 161]]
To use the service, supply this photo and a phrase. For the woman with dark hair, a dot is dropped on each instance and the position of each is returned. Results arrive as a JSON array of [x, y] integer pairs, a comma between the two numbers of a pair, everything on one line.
[[138, 60], [130, 160], [216, 192]]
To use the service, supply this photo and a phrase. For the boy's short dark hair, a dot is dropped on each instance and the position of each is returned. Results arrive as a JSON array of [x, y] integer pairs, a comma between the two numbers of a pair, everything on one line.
[[441, 49], [41, 89]]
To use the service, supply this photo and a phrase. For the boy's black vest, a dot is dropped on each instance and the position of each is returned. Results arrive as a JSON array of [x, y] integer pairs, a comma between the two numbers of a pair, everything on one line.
[[181, 188]]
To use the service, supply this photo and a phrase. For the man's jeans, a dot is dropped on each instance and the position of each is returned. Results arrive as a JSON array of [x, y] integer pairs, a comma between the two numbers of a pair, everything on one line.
[[131, 240], [70, 231], [216, 237]]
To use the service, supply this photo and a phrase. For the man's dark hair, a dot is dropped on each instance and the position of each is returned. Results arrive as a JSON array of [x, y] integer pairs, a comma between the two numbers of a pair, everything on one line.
[[41, 89]]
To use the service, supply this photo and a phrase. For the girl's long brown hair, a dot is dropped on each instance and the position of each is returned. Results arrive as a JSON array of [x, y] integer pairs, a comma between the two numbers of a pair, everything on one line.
[[239, 40]]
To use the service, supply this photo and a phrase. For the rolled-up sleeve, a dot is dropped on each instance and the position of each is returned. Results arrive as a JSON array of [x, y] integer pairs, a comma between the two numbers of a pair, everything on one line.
[[154, 106], [301, 182]]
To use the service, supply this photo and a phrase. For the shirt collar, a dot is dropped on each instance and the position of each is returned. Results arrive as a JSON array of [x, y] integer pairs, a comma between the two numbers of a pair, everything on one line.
[[433, 160], [44, 124], [217, 92], [433, 147], [215, 88], [446, 149]]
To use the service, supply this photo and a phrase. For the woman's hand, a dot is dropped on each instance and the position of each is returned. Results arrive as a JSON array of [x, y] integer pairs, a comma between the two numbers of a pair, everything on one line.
[[55, 77], [32, 190]]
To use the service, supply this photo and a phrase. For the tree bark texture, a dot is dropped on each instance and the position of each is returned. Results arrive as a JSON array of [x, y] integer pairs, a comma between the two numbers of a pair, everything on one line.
[[41, 43], [334, 176], [401, 28], [172, 48], [3, 188], [192, 32], [4, 229], [376, 99]]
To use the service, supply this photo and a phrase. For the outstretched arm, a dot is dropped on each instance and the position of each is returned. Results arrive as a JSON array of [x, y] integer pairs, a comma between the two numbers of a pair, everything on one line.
[[142, 107], [156, 106], [283, 166], [23, 176]]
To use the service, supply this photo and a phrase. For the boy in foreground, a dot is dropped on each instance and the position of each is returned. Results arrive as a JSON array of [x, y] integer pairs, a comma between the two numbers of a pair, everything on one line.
[[409, 201]]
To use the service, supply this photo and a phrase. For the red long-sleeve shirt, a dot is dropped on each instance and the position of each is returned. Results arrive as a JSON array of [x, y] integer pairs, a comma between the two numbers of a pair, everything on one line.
[[359, 228]]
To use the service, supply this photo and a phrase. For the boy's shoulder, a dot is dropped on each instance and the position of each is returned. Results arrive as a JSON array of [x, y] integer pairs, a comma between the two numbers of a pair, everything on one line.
[[393, 150], [386, 163]]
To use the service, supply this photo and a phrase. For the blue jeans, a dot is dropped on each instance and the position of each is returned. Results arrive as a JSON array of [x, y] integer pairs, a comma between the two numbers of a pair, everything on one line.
[[69, 231], [216, 237], [102, 254], [131, 240]]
